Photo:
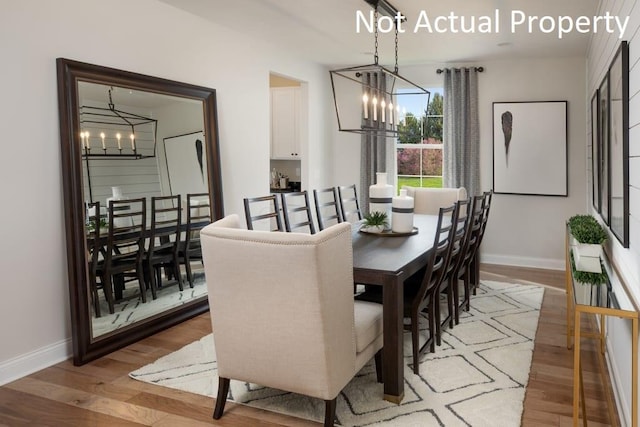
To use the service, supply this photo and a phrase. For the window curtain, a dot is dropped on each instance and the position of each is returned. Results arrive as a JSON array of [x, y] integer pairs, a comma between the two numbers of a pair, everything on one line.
[[461, 136], [377, 153]]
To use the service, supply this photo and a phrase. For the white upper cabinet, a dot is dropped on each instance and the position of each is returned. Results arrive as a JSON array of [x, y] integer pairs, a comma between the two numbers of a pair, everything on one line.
[[285, 123]]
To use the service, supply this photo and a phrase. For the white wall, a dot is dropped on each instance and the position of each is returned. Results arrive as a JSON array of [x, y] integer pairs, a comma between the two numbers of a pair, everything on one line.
[[35, 326], [601, 51]]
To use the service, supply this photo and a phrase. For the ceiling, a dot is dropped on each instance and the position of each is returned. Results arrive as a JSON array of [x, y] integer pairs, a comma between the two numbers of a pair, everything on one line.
[[324, 31]]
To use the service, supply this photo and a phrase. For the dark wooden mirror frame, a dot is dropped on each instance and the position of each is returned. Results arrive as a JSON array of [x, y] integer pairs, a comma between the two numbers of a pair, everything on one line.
[[70, 72]]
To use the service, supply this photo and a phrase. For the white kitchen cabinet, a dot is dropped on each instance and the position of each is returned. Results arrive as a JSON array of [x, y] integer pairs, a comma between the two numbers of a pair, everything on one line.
[[285, 123]]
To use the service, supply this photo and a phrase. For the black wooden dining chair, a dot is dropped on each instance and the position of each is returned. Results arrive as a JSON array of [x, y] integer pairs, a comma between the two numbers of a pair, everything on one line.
[[296, 211], [349, 205], [460, 230], [198, 216], [263, 210], [124, 253], [462, 271], [421, 290], [166, 218], [327, 207]]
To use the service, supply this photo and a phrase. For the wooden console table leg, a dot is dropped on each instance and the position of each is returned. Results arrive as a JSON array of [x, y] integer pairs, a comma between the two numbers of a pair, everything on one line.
[[576, 369], [602, 334]]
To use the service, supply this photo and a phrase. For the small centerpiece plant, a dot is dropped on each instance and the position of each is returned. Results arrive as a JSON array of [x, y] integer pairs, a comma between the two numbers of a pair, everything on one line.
[[375, 222]]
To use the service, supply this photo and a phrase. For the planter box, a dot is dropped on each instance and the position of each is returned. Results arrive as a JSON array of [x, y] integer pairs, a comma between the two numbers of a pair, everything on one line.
[[587, 263], [588, 250]]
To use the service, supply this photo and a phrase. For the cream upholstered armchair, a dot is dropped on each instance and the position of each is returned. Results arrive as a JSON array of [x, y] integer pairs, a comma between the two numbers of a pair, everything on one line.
[[283, 312], [430, 200]]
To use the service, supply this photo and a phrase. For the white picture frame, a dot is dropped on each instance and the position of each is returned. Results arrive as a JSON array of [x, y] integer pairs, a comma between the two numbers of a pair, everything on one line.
[[530, 148]]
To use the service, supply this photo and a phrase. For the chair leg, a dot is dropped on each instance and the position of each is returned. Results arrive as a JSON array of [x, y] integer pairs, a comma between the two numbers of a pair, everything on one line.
[[176, 269], [187, 267], [455, 287], [432, 324], [378, 362], [221, 399], [475, 269], [467, 287], [436, 297], [152, 280], [329, 412]]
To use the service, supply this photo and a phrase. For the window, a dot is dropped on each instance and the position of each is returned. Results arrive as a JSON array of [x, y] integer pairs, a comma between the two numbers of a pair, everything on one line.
[[419, 144]]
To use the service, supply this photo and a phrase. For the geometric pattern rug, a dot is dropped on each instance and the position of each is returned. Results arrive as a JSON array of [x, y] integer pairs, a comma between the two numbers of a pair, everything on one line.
[[477, 377]]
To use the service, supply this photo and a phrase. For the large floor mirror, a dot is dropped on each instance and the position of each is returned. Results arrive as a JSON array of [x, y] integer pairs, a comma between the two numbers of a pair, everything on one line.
[[140, 162]]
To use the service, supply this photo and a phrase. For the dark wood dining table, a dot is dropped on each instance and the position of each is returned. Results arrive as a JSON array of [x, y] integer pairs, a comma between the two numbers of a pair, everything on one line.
[[388, 261]]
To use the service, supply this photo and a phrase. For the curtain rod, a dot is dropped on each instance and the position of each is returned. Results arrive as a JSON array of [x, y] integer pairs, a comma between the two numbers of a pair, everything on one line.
[[478, 69]]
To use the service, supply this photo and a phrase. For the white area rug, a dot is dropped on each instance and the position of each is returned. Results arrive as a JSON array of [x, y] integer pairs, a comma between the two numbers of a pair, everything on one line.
[[476, 378]]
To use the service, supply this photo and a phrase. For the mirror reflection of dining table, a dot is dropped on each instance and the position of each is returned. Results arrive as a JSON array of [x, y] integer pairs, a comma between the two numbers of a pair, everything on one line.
[[387, 261]]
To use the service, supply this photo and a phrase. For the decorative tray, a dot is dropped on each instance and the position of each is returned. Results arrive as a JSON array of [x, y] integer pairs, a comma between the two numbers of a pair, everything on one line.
[[389, 233]]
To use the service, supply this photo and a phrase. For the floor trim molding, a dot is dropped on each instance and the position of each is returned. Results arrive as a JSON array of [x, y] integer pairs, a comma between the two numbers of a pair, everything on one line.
[[516, 261], [33, 361]]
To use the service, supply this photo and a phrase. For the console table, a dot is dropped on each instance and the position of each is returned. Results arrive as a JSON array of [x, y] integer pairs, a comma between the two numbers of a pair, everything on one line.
[[601, 301]]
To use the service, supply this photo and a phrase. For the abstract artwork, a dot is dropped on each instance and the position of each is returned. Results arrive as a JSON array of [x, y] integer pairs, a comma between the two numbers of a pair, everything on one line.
[[530, 148], [186, 163]]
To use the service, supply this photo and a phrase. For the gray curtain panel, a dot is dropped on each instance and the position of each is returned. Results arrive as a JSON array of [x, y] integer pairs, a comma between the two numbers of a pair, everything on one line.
[[373, 147], [461, 136]]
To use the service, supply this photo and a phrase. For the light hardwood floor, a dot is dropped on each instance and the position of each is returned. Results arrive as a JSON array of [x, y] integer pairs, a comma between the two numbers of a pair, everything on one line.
[[101, 393]]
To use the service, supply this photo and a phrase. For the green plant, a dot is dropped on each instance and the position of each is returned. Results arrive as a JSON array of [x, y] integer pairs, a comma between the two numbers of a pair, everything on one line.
[[586, 229], [91, 226], [376, 219]]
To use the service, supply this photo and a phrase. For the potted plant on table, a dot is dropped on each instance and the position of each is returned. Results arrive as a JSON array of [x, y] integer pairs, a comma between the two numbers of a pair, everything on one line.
[[588, 233], [375, 222]]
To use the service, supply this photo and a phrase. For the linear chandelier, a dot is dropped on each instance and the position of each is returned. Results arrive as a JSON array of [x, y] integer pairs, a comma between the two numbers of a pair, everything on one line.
[[110, 133], [372, 99]]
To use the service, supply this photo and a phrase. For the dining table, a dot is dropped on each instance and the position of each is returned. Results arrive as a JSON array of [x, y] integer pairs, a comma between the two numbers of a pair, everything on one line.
[[387, 260]]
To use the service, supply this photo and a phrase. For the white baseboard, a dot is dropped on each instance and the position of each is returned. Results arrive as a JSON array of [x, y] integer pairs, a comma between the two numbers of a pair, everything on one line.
[[34, 361], [546, 263], [624, 412]]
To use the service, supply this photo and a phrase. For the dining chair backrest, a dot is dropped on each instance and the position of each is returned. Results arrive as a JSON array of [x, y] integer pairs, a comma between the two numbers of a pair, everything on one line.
[[429, 200], [486, 206], [198, 216], [166, 218], [263, 210], [474, 226], [127, 226], [461, 228], [439, 255], [349, 205], [297, 212], [327, 207]]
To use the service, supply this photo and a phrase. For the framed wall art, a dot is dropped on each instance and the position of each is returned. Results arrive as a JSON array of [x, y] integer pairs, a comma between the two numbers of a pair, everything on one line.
[[530, 148], [603, 139], [595, 152], [619, 145]]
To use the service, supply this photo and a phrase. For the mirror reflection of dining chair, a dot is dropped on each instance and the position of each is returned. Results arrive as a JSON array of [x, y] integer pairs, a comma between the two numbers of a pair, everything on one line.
[[124, 253], [296, 211], [264, 212], [198, 212], [312, 338], [93, 255], [349, 205], [163, 241], [327, 207]]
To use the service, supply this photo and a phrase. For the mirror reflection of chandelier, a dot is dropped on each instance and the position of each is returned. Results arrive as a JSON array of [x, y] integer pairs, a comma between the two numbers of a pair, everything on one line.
[[372, 99], [112, 133]]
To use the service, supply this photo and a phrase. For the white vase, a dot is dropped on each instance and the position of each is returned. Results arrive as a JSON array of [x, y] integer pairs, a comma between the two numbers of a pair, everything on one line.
[[380, 196], [402, 213]]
